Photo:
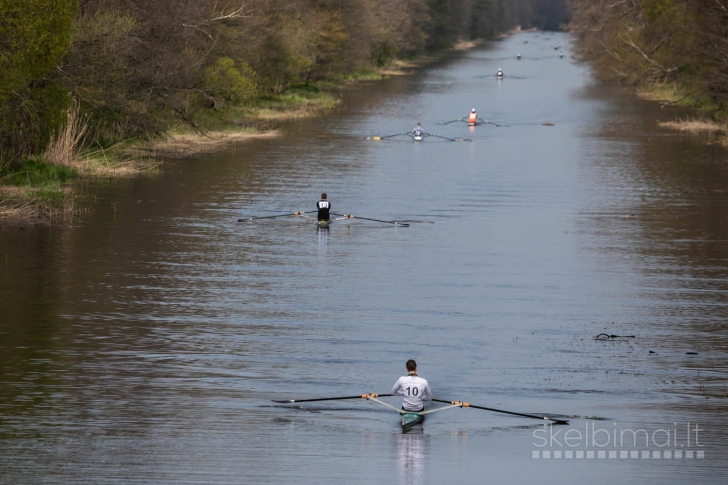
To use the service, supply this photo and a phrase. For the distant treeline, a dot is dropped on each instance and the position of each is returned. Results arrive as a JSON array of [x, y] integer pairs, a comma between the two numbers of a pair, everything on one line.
[[683, 43], [137, 66]]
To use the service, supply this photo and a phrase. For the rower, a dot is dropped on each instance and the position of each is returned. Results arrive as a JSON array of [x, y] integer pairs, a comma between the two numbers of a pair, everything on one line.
[[561, 55], [473, 117], [418, 131], [323, 206], [415, 389], [518, 57], [499, 74]]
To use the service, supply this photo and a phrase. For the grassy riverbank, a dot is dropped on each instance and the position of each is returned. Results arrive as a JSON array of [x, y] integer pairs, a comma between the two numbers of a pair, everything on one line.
[[709, 120], [669, 51], [40, 192], [34, 191]]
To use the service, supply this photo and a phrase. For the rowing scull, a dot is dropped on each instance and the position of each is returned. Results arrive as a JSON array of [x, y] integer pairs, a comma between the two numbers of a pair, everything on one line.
[[323, 223], [410, 418]]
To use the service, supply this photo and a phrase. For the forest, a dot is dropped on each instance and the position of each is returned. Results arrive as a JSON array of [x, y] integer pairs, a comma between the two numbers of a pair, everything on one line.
[[678, 46], [134, 68]]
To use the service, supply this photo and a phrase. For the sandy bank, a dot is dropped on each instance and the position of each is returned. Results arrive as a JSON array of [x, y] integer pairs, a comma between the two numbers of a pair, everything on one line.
[[183, 145]]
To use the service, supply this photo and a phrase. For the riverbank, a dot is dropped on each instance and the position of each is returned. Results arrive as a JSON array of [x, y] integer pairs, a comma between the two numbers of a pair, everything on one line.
[[708, 119], [37, 192]]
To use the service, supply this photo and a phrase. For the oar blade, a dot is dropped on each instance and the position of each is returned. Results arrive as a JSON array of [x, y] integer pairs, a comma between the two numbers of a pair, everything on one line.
[[466, 405], [380, 137], [453, 121], [557, 421], [340, 398], [299, 213], [351, 216], [443, 137]]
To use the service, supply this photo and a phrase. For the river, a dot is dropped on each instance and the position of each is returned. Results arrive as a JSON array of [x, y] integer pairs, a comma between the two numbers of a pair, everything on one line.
[[144, 341]]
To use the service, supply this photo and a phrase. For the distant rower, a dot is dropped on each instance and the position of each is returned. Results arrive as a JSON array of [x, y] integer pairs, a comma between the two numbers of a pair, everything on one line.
[[414, 389], [323, 206], [418, 131], [561, 55], [518, 57], [499, 74], [473, 117]]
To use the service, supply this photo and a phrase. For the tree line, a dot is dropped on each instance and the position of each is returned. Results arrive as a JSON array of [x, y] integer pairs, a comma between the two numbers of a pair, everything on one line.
[[683, 43], [136, 67]]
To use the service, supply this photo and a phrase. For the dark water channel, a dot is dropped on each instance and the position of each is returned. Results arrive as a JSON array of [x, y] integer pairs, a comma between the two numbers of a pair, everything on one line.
[[143, 342]]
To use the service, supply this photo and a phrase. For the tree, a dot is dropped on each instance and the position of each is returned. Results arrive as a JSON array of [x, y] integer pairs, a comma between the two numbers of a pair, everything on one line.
[[34, 35]]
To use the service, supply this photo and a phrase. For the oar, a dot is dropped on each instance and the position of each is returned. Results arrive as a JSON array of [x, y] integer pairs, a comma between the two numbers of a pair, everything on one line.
[[273, 217], [490, 122], [466, 405], [360, 396], [351, 216], [383, 137], [448, 139], [453, 121]]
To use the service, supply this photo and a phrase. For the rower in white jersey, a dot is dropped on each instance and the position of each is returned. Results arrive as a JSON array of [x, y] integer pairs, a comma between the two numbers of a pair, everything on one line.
[[323, 206], [413, 388]]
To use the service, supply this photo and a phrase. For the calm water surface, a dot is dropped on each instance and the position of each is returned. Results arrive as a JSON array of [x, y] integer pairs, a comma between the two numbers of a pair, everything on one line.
[[143, 342]]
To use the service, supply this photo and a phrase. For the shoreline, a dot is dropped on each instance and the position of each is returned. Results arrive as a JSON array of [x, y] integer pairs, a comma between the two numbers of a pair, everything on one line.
[[185, 145], [698, 124], [29, 204]]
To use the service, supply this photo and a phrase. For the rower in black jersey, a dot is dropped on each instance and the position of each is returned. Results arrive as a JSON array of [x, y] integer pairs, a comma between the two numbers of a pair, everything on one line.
[[323, 206]]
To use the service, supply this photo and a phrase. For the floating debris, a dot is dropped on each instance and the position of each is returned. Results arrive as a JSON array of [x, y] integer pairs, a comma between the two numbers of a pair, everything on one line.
[[606, 336]]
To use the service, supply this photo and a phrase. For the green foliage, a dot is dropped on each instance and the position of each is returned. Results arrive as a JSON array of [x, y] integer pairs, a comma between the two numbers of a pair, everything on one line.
[[329, 42], [441, 36], [301, 97], [367, 74], [29, 118], [386, 51], [489, 18], [655, 9], [225, 81], [34, 35], [33, 172], [281, 66]]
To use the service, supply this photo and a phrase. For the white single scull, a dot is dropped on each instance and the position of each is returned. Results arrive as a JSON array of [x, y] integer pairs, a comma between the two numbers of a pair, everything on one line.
[[410, 418]]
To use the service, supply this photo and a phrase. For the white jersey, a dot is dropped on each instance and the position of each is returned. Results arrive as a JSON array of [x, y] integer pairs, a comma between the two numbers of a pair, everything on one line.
[[414, 389]]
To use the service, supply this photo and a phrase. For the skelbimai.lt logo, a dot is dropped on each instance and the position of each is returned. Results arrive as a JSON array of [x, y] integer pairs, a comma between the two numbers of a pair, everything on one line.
[[592, 441]]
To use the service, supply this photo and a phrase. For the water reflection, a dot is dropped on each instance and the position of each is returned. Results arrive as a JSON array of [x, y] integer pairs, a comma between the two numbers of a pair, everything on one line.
[[323, 240], [411, 451]]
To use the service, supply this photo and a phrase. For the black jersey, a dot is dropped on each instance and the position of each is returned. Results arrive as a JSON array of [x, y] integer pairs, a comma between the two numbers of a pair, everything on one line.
[[323, 206]]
